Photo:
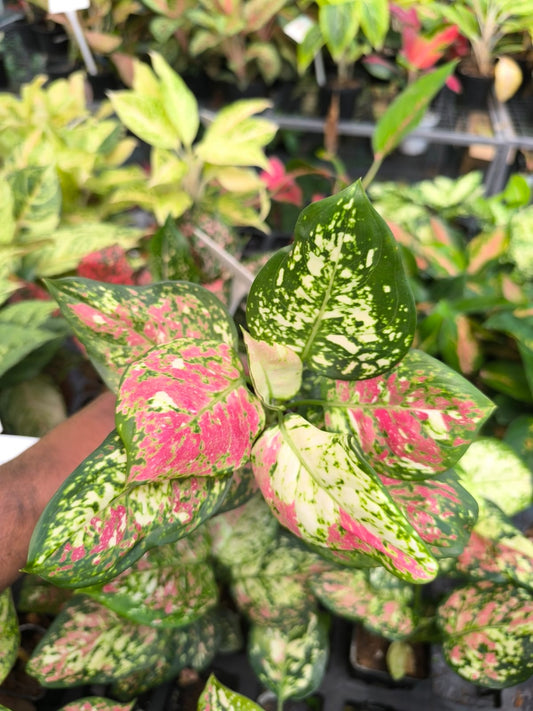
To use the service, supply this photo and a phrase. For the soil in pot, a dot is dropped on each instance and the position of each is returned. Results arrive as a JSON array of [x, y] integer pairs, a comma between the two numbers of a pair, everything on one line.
[[368, 658]]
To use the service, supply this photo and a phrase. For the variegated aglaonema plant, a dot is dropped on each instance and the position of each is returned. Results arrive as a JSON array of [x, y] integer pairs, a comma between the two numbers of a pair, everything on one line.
[[351, 435]]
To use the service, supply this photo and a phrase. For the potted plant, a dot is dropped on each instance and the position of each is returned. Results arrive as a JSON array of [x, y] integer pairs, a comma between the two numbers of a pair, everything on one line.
[[491, 28], [348, 31], [315, 395], [247, 36]]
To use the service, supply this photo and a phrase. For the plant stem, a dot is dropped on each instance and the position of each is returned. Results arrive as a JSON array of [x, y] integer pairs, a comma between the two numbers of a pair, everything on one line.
[[372, 171], [279, 705]]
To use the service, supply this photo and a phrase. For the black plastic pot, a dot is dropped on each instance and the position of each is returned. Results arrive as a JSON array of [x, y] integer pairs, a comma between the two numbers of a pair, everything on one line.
[[347, 95], [475, 89]]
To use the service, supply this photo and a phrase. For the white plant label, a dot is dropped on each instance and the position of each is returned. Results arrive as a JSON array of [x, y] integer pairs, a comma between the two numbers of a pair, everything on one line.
[[57, 6]]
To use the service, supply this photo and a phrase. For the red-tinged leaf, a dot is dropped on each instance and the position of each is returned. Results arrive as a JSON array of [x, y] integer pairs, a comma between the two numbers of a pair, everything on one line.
[[95, 526], [440, 510], [166, 587], [320, 490], [184, 410], [109, 265], [413, 422], [97, 703], [485, 248], [118, 324], [468, 347], [386, 608], [488, 633], [497, 550]]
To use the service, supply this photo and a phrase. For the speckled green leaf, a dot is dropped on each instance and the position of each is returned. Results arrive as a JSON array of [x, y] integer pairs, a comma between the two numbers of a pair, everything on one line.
[[117, 324], [240, 537], [291, 662], [440, 510], [497, 550], [191, 647], [385, 608], [276, 371], [96, 703], [95, 526], [162, 588], [37, 200], [339, 298], [217, 697], [9, 633], [488, 633], [491, 469], [183, 409], [413, 422], [88, 643], [277, 593], [320, 490]]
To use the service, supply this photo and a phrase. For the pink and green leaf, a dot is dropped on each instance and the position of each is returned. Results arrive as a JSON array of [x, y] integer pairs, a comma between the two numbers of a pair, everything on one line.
[[217, 697], [290, 661], [497, 550], [97, 703], [95, 526], [39, 596], [413, 422], [386, 609], [319, 489], [440, 510], [339, 297], [9, 633], [117, 324], [88, 643], [161, 588], [184, 410], [488, 633]]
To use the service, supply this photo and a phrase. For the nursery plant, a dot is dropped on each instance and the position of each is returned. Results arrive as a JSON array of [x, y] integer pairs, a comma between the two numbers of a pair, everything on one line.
[[352, 437], [244, 38], [470, 267]]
